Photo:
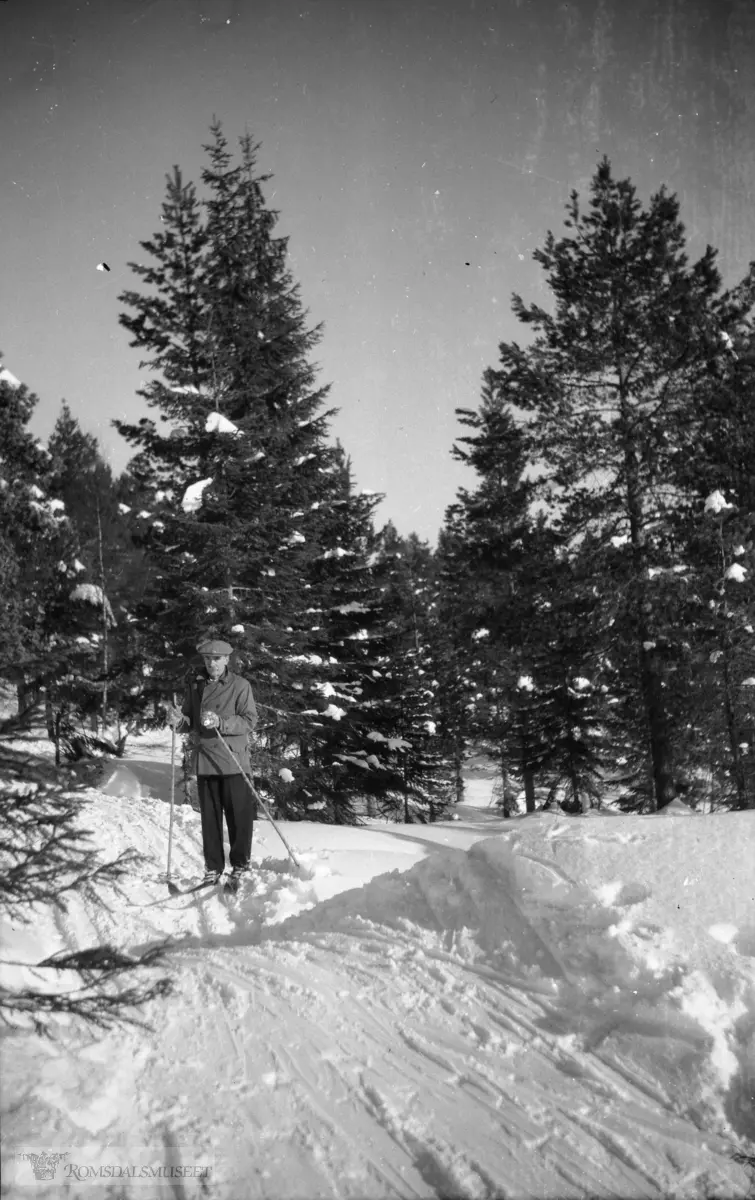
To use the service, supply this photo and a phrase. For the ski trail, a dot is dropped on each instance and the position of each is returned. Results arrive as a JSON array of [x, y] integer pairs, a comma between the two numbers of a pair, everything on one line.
[[462, 1030], [391, 1085]]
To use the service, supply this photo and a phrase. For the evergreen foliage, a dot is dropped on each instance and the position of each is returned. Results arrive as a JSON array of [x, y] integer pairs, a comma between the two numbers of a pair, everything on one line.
[[47, 858], [249, 516], [411, 674], [592, 604], [610, 389], [37, 543], [106, 577]]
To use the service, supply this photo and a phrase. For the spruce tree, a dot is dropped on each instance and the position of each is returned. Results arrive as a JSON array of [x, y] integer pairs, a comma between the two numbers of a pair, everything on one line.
[[412, 675], [239, 489], [228, 334], [607, 390], [36, 545], [487, 545], [715, 680], [108, 560]]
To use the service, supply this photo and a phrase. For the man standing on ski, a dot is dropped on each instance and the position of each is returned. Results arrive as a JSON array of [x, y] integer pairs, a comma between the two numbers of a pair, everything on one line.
[[218, 700]]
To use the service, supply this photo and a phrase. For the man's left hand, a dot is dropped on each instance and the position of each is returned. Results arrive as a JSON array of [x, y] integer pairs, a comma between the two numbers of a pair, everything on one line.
[[210, 720]]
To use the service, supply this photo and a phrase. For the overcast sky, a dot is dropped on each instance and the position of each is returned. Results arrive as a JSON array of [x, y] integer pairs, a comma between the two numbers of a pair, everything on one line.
[[420, 149]]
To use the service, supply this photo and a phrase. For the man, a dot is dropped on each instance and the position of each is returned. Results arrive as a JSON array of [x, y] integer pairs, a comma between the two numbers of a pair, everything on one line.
[[216, 699]]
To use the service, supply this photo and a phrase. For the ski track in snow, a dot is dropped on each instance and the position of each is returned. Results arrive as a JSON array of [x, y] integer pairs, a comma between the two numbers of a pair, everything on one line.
[[463, 1029]]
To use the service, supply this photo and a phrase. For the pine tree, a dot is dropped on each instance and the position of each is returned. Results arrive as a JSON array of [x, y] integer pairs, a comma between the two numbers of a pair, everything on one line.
[[606, 387]]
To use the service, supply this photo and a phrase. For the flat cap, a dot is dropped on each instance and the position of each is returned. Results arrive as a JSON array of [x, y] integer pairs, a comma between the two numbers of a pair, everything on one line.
[[214, 647]]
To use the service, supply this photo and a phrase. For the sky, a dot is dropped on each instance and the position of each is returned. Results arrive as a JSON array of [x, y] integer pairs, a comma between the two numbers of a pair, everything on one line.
[[420, 150]]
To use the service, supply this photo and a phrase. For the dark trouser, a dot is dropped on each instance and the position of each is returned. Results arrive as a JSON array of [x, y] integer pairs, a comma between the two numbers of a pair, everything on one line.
[[227, 795]]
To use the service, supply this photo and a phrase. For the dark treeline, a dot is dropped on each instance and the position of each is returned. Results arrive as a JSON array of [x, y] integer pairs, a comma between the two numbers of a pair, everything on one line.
[[587, 617]]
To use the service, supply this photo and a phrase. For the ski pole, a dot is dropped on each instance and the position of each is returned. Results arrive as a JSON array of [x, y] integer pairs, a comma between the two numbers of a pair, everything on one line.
[[258, 798], [172, 886]]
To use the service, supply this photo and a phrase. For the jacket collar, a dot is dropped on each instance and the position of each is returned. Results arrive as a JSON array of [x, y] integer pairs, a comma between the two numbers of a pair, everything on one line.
[[224, 678]]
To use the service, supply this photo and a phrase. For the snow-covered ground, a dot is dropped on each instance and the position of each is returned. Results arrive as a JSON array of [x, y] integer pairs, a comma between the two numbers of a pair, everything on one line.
[[540, 1007]]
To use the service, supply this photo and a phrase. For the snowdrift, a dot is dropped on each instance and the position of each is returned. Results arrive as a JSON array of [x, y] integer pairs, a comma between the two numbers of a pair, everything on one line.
[[545, 1006]]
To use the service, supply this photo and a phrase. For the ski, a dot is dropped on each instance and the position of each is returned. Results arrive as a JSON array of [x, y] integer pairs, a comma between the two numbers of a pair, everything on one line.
[[198, 887], [174, 893]]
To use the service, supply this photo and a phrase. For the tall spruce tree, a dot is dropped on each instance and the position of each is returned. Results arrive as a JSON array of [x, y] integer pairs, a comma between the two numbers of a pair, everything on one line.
[[607, 388], [238, 487]]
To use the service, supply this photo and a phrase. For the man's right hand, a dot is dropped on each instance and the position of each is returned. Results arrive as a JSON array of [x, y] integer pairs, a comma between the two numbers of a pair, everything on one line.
[[174, 717]]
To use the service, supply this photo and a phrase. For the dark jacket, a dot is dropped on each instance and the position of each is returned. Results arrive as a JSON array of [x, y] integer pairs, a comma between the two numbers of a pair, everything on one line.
[[231, 698]]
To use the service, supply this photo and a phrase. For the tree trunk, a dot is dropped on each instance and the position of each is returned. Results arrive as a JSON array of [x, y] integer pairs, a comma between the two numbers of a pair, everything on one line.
[[732, 727], [528, 774], [507, 792], [650, 674], [105, 663], [56, 737], [50, 718], [529, 788], [657, 725], [458, 769]]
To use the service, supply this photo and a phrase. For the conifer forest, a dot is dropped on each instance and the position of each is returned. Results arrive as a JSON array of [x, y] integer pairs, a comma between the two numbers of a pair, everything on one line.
[[587, 617]]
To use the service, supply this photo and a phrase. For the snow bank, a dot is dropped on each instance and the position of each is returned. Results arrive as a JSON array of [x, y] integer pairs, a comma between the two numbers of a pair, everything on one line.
[[544, 1006]]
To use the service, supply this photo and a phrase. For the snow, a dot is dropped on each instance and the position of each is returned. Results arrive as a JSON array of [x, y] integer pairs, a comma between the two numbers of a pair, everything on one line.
[[217, 423], [192, 498], [90, 593], [6, 376], [187, 390], [717, 502], [736, 572], [536, 1007]]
